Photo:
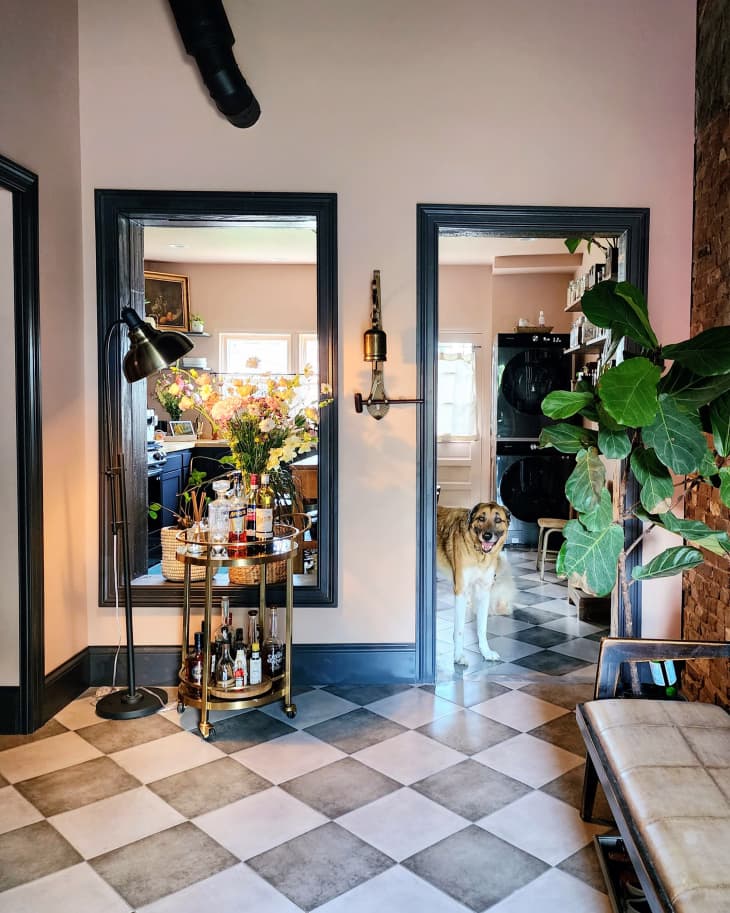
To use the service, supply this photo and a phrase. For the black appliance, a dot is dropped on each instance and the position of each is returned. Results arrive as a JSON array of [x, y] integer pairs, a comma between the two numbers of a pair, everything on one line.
[[531, 484], [529, 366]]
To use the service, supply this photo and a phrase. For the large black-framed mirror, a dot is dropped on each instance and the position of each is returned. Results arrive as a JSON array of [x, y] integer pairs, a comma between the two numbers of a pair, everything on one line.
[[630, 226], [22, 685], [121, 219]]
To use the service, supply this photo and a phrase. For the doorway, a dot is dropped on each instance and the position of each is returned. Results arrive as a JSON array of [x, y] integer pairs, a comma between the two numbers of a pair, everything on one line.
[[437, 222]]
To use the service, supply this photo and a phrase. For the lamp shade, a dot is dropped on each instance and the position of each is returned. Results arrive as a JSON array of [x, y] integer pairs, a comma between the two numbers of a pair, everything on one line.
[[150, 349]]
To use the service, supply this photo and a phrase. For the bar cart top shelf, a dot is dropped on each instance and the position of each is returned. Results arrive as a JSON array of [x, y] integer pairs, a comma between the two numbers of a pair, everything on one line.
[[203, 550]]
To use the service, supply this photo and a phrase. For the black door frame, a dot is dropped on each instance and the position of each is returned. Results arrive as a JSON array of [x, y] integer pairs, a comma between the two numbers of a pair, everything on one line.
[[509, 221], [21, 707]]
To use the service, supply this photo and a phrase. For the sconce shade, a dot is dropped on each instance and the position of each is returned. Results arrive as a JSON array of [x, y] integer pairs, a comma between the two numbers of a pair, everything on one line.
[[375, 346], [150, 349]]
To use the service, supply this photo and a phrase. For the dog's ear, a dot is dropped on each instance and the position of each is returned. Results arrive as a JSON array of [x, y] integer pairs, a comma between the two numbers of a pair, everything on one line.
[[508, 515], [472, 513]]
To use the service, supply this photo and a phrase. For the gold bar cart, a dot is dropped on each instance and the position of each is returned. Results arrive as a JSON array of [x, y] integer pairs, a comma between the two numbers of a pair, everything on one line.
[[207, 697]]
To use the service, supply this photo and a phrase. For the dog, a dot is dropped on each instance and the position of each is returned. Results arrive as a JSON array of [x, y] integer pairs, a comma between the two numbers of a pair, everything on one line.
[[469, 547]]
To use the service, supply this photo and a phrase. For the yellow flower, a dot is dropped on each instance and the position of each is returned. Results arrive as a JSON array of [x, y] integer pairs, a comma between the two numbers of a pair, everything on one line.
[[193, 373], [308, 371], [186, 403], [173, 389]]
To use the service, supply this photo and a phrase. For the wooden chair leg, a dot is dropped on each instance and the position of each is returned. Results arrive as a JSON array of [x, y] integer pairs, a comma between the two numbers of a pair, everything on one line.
[[540, 537]]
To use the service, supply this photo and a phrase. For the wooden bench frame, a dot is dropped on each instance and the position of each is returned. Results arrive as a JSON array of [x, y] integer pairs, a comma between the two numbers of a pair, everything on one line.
[[613, 652]]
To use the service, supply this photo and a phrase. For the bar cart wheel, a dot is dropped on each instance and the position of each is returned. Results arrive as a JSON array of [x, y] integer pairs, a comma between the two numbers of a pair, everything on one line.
[[290, 710], [180, 707]]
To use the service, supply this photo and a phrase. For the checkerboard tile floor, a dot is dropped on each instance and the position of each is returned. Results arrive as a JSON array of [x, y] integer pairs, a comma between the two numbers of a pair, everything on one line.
[[461, 796], [542, 639]]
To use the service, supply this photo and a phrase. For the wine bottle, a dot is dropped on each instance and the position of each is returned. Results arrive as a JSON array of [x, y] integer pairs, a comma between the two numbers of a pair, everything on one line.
[[251, 508], [272, 654], [237, 519], [195, 662], [254, 674], [265, 511]]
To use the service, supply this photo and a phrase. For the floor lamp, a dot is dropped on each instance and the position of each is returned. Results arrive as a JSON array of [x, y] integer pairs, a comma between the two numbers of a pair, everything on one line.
[[149, 351]]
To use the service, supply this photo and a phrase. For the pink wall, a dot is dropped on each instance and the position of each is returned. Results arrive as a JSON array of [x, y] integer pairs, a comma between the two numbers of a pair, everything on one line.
[[247, 297], [525, 295], [561, 102], [39, 113]]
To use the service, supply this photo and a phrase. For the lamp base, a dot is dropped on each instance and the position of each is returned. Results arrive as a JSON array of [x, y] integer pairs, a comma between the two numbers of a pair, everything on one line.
[[120, 705]]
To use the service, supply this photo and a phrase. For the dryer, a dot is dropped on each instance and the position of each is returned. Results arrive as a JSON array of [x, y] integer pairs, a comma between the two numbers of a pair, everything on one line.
[[530, 483], [528, 367]]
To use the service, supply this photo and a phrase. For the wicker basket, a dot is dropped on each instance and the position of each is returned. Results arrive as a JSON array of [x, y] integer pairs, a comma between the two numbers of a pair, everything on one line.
[[172, 569]]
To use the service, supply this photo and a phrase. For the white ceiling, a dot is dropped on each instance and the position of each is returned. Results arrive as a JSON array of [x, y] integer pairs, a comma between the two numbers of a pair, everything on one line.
[[481, 251], [254, 242]]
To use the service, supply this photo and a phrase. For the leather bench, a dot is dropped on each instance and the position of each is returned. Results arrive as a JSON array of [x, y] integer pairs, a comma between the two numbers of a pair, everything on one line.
[[665, 769]]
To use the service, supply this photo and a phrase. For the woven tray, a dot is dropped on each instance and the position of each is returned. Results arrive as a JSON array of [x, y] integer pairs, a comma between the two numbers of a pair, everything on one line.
[[172, 569]]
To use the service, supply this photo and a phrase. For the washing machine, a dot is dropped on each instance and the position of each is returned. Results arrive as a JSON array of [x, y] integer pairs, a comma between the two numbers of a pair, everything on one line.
[[528, 367], [530, 483]]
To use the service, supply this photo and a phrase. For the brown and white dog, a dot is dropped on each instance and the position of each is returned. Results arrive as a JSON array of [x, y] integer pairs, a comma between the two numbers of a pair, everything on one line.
[[469, 550]]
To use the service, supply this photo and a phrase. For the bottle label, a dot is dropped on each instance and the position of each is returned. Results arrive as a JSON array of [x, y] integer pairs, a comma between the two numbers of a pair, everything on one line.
[[255, 677], [196, 672], [275, 660], [264, 523], [237, 519]]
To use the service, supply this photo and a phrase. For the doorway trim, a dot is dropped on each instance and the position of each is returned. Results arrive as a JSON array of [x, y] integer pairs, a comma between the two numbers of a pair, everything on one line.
[[21, 707], [508, 221]]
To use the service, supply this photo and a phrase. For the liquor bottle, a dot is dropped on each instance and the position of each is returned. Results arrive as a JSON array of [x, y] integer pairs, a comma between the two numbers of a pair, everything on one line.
[[238, 642], [265, 511], [254, 674], [236, 519], [195, 662], [223, 631], [252, 635], [240, 677], [251, 508], [272, 653], [224, 674], [541, 319], [218, 511]]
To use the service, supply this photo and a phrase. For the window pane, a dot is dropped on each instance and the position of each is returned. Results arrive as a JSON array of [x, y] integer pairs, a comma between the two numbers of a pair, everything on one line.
[[246, 353], [456, 415]]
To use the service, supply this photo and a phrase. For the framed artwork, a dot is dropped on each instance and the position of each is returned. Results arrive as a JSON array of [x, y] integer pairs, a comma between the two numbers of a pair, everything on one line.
[[166, 299]]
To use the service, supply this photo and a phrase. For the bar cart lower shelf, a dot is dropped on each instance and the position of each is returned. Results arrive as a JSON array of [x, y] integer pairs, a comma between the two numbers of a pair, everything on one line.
[[206, 696]]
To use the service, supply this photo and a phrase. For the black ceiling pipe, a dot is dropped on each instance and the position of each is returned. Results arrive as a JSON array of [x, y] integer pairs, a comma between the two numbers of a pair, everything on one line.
[[207, 36]]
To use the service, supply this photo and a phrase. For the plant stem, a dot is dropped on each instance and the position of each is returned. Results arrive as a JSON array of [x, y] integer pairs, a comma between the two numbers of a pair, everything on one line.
[[623, 582]]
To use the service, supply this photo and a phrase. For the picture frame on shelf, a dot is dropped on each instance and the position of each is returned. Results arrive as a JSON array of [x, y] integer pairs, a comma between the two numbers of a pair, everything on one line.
[[167, 300]]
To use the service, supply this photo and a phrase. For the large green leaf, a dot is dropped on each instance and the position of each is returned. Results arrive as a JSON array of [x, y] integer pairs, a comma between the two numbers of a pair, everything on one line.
[[573, 244], [614, 444], [690, 390], [706, 354], [563, 403], [567, 438], [724, 474], [560, 562], [656, 483], [628, 391], [592, 555], [601, 516], [669, 562], [676, 436], [720, 421], [708, 466], [620, 307], [585, 483], [698, 532]]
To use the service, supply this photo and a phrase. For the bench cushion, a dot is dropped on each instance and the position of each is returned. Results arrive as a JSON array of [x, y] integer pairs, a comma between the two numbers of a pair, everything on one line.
[[670, 762]]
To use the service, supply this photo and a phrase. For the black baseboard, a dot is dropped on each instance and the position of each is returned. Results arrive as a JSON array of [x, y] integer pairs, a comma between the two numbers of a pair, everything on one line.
[[10, 723], [152, 665], [65, 683], [353, 664]]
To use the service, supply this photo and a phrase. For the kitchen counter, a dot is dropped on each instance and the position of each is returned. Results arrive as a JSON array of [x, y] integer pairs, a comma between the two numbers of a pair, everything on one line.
[[173, 446]]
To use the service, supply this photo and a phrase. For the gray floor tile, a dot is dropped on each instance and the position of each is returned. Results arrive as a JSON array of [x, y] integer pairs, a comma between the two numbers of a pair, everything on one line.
[[471, 790], [72, 787], [356, 730], [467, 692], [561, 693], [456, 866], [534, 616], [341, 787], [467, 732], [584, 865], [365, 694], [562, 732], [551, 663], [320, 865], [569, 788], [209, 786], [114, 735], [148, 869], [527, 598], [3, 782], [52, 727], [32, 852], [246, 730], [540, 637], [581, 648]]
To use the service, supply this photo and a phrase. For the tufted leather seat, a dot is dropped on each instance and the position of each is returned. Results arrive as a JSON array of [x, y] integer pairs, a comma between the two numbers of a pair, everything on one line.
[[668, 766]]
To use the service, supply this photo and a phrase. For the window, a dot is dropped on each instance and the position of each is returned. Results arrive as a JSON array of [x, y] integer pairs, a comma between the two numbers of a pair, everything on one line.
[[255, 353], [456, 418]]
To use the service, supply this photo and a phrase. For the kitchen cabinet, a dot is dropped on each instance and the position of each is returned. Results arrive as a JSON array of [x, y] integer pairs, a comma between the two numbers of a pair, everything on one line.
[[165, 489]]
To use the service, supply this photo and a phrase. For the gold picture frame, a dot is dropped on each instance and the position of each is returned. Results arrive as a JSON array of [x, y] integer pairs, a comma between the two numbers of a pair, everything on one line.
[[167, 299]]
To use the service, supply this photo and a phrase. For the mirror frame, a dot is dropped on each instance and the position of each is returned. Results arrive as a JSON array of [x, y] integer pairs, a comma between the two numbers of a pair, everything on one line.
[[632, 223], [120, 219], [21, 707]]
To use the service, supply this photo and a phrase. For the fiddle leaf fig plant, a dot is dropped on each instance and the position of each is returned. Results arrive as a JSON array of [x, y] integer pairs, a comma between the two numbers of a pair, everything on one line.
[[670, 427]]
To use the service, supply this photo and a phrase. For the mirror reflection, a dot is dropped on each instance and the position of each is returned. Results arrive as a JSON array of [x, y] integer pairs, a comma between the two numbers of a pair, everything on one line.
[[246, 296]]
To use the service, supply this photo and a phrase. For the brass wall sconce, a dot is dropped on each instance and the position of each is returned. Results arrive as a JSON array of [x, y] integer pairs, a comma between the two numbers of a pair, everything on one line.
[[375, 351]]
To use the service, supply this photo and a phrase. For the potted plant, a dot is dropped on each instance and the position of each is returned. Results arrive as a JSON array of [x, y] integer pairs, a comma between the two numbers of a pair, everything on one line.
[[197, 323], [191, 504], [671, 429]]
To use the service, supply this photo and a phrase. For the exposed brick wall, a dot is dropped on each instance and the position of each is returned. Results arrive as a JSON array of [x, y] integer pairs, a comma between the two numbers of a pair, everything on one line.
[[707, 588]]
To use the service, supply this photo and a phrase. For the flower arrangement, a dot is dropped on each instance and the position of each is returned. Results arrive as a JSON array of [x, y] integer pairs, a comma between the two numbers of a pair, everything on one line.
[[268, 420]]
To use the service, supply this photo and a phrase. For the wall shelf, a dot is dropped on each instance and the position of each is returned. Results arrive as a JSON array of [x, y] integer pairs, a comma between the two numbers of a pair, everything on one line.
[[596, 343], [188, 333], [575, 307]]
